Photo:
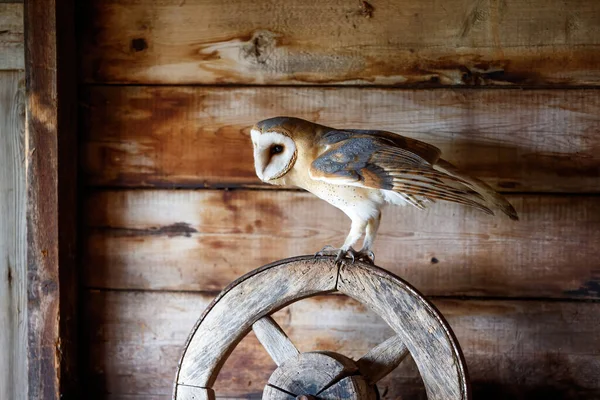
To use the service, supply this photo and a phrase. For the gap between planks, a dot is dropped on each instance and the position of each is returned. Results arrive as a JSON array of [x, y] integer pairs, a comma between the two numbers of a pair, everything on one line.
[[215, 293], [91, 189], [423, 86]]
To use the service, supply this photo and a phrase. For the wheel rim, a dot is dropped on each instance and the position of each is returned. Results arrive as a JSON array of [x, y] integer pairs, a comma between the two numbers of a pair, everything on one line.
[[417, 323]]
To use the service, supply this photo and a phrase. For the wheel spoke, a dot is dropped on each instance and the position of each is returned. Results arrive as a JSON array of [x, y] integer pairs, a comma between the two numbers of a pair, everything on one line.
[[382, 359], [274, 340]]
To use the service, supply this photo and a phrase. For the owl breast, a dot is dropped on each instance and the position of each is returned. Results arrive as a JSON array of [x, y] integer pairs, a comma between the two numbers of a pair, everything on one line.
[[355, 202]]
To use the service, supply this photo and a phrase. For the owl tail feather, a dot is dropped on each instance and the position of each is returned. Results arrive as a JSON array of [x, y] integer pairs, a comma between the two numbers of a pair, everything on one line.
[[489, 194]]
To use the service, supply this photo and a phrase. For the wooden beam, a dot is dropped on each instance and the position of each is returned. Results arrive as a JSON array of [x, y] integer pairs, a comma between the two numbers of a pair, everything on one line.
[[13, 239], [202, 240], [536, 140], [52, 201], [513, 349], [11, 36], [459, 42]]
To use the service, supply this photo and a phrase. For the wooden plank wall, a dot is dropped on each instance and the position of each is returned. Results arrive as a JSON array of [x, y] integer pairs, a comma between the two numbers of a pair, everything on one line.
[[13, 241], [173, 212], [11, 36]]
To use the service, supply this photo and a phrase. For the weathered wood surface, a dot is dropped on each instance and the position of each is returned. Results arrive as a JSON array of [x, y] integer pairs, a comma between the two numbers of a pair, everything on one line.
[[459, 42], [194, 393], [51, 199], [536, 140], [274, 340], [352, 387], [382, 359], [13, 238], [419, 325], [514, 349], [318, 375], [11, 36], [203, 240], [272, 393], [320, 368], [248, 301], [244, 302]]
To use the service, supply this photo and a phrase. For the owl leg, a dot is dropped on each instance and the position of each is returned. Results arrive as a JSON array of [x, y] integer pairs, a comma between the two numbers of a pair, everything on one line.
[[357, 229], [366, 254]]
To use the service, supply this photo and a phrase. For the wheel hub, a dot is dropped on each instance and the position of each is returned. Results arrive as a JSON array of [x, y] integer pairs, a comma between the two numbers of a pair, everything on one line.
[[318, 375]]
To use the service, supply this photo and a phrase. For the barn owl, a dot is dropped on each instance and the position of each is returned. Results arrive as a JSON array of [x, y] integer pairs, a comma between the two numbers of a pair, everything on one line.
[[359, 171]]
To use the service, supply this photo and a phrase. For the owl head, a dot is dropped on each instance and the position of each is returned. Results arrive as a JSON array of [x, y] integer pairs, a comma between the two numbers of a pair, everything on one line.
[[275, 150]]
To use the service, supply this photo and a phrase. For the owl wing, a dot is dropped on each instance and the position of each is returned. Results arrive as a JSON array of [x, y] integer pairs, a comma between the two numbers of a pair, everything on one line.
[[373, 161]]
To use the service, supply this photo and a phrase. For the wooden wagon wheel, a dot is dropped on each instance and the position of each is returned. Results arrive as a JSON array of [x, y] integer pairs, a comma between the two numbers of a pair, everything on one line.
[[247, 303]]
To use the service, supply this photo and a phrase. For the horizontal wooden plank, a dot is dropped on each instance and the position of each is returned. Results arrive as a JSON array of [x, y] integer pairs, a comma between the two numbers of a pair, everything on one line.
[[12, 48], [513, 349], [459, 42], [203, 240], [182, 136]]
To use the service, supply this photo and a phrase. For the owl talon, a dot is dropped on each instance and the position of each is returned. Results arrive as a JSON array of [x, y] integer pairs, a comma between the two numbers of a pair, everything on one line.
[[328, 250], [366, 256], [342, 255]]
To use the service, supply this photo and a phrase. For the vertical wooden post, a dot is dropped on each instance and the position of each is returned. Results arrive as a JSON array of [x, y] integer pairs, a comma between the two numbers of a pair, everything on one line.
[[50, 62], [13, 273]]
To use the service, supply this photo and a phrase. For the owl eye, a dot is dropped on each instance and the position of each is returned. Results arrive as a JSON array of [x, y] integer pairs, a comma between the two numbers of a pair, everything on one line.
[[276, 149]]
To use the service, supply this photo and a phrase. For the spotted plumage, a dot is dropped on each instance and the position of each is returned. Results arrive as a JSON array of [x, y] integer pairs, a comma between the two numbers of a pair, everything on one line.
[[359, 171]]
